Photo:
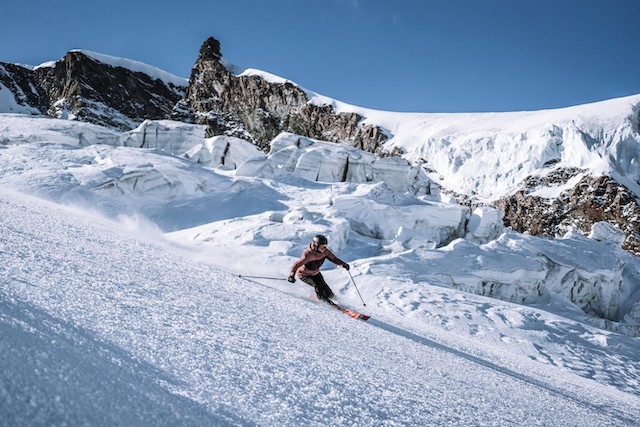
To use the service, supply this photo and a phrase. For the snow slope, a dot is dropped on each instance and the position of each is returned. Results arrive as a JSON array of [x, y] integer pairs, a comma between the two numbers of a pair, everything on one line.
[[121, 301], [106, 327]]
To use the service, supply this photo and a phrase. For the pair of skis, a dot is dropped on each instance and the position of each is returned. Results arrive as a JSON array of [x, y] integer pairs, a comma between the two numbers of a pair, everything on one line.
[[351, 313]]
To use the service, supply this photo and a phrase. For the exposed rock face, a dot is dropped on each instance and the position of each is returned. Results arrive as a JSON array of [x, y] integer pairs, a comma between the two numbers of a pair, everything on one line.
[[251, 108], [104, 94], [29, 95], [591, 200], [86, 89]]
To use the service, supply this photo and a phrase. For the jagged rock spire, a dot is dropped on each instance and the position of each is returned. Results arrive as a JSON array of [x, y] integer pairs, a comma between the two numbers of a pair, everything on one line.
[[255, 109], [210, 50]]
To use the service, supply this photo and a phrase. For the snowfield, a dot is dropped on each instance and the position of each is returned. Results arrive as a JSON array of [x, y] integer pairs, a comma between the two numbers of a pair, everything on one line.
[[143, 280], [100, 326]]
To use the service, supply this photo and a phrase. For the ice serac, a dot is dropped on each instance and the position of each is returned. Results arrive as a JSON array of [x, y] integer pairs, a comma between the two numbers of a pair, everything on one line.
[[485, 224], [167, 135], [540, 270], [427, 224], [222, 151], [322, 161], [252, 108]]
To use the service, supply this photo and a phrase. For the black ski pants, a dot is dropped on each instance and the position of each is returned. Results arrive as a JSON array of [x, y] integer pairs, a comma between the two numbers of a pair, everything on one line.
[[323, 291]]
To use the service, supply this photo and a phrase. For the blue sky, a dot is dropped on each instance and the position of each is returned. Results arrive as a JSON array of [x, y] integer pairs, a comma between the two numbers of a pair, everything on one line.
[[400, 55]]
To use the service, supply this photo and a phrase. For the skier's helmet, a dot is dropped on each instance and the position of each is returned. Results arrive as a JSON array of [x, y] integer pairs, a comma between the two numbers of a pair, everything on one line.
[[319, 240]]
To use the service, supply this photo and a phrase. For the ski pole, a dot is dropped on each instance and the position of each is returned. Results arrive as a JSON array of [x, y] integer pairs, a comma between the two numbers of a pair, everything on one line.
[[261, 277], [354, 284]]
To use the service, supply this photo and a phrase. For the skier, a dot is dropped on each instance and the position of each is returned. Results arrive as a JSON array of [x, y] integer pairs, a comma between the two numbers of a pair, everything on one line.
[[307, 268]]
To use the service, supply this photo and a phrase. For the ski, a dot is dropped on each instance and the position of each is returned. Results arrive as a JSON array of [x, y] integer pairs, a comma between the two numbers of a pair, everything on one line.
[[354, 314], [351, 313]]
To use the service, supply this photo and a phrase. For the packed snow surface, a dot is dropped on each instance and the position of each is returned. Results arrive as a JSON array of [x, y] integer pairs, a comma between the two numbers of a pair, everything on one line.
[[104, 325]]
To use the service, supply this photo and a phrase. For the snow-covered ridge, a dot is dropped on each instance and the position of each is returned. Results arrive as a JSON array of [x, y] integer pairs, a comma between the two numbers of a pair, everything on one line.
[[506, 121], [314, 97], [487, 155], [266, 76], [132, 65]]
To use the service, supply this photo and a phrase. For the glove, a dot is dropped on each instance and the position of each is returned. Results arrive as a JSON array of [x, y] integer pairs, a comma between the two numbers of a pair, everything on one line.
[[291, 279], [346, 266]]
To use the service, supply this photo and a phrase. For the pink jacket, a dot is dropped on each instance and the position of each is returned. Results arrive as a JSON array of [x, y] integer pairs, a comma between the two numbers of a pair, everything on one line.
[[310, 262]]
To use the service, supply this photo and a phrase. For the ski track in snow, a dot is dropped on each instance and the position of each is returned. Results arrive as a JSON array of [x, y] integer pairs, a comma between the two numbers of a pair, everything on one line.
[[101, 327]]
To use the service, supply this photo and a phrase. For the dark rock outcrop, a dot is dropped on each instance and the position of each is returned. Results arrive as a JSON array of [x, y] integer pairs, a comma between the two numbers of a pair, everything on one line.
[[25, 87], [104, 94], [591, 200], [253, 108], [86, 89]]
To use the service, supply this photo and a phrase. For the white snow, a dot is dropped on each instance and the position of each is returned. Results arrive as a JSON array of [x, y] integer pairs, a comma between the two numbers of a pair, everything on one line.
[[269, 77], [127, 294]]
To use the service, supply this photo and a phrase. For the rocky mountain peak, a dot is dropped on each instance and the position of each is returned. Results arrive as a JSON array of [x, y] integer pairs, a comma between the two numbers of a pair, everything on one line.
[[210, 50], [81, 87], [29, 96], [252, 108]]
